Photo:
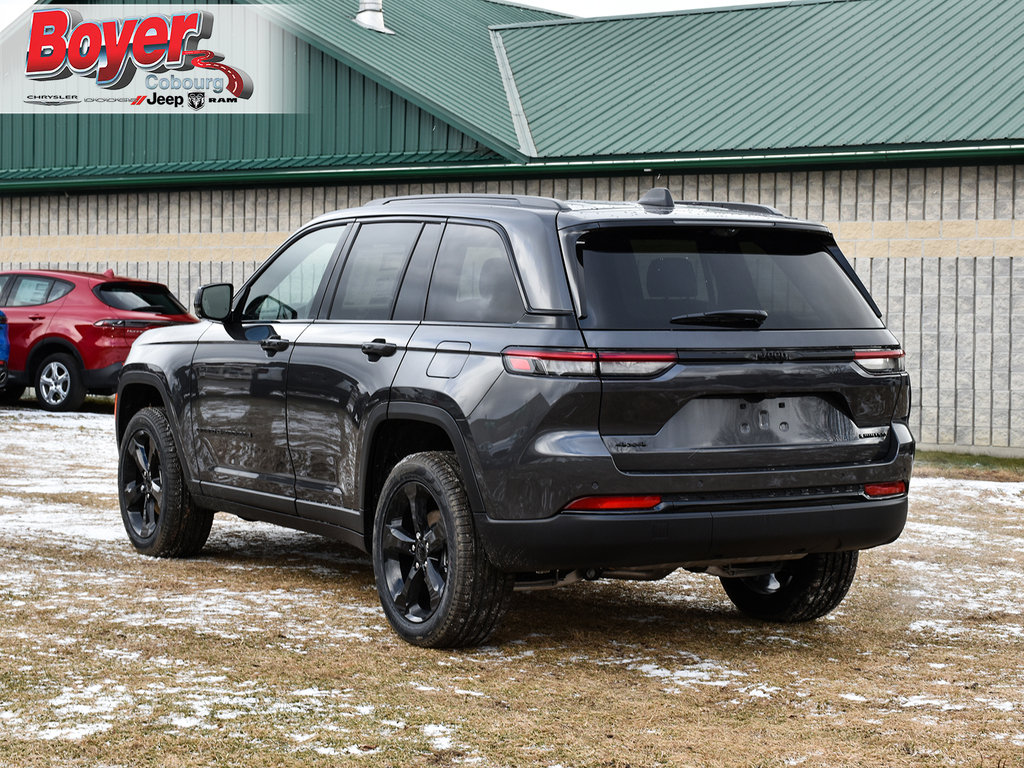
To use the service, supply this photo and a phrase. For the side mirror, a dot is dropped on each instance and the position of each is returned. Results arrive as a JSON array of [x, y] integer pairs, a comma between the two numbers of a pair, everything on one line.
[[213, 302]]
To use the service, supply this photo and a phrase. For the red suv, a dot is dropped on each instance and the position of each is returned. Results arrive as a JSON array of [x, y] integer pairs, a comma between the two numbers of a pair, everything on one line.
[[70, 332]]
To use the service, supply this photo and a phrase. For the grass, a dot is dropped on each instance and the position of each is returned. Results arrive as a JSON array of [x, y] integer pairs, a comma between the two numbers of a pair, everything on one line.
[[271, 650], [962, 465]]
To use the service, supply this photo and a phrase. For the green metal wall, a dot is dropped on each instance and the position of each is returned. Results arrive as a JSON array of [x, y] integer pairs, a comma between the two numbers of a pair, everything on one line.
[[344, 119]]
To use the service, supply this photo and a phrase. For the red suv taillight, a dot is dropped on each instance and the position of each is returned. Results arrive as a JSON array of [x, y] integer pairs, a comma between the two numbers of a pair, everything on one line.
[[880, 360], [584, 362]]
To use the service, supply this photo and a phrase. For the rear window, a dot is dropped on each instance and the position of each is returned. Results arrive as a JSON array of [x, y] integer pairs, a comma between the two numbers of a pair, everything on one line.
[[640, 278], [139, 298]]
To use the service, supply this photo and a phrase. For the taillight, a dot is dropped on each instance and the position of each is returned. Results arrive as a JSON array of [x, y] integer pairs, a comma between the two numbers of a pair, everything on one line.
[[639, 364], [874, 490], [880, 360], [112, 322], [614, 503], [550, 362], [583, 362]]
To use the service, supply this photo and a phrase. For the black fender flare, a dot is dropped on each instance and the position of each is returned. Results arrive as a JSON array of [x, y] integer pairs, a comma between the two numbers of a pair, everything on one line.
[[430, 414], [155, 380]]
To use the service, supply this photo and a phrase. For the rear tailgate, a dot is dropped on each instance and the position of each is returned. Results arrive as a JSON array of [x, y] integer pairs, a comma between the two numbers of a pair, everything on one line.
[[725, 404], [752, 332]]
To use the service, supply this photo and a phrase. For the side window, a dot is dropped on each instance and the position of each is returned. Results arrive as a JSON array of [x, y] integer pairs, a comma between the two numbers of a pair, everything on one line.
[[285, 290], [473, 280], [29, 290], [4, 279], [373, 270]]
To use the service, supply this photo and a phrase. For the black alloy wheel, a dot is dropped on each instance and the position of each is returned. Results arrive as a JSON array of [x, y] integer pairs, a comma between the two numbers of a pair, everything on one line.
[[415, 552], [157, 510], [436, 585], [142, 484]]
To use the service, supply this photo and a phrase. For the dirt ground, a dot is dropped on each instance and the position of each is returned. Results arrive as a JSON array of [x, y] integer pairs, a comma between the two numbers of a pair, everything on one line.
[[271, 650]]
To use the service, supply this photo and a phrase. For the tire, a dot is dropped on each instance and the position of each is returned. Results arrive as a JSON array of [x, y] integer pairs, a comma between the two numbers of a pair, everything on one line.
[[436, 585], [159, 515], [60, 384], [11, 394], [802, 590]]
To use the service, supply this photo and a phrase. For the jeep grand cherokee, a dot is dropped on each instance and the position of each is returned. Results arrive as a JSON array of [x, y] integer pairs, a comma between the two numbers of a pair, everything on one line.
[[498, 392]]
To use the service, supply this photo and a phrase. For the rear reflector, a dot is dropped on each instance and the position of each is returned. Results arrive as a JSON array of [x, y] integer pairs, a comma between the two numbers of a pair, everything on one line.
[[612, 503], [880, 360], [885, 489]]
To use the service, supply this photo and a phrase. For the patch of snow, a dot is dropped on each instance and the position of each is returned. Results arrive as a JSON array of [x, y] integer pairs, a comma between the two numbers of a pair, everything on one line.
[[440, 736]]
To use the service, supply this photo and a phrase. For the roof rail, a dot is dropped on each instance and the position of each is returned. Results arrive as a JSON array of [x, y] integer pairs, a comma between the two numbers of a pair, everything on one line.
[[512, 201], [739, 207]]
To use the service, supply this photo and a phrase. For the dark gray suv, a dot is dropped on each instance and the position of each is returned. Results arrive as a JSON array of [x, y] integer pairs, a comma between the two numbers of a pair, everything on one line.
[[498, 392]]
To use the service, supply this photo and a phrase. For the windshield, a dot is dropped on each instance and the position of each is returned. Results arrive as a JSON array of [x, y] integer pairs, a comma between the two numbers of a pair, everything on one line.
[[139, 298], [644, 278]]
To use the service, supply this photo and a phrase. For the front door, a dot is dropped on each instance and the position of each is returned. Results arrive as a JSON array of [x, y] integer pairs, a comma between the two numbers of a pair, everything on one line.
[[240, 373]]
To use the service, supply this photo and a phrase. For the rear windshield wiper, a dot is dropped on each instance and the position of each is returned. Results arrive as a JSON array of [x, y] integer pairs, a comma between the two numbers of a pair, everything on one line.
[[726, 318]]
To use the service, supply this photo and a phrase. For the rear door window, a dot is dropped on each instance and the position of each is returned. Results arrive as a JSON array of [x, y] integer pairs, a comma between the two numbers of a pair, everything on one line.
[[32, 290], [473, 280], [374, 270], [640, 278]]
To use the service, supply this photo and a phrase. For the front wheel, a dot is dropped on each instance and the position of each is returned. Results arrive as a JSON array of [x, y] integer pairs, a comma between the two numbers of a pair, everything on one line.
[[800, 590], [157, 510], [436, 585], [60, 384]]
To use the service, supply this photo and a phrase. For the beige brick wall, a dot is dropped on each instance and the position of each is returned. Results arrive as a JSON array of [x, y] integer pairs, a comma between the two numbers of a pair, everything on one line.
[[941, 249]]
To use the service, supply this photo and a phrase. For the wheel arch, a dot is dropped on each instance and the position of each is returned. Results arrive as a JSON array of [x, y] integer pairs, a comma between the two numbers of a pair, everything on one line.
[[143, 388], [400, 430], [45, 347]]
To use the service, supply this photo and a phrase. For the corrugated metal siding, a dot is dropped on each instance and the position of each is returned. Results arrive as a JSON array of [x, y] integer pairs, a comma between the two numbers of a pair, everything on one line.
[[351, 121], [809, 75]]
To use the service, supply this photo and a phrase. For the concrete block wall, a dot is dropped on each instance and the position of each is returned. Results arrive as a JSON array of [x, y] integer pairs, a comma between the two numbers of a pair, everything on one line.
[[941, 249]]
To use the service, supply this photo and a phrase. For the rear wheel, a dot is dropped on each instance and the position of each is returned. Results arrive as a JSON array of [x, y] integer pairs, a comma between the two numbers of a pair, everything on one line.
[[60, 384], [801, 590], [157, 510], [436, 585]]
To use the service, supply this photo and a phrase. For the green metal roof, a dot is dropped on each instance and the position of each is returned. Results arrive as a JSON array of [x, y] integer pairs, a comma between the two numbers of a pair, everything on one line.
[[440, 57], [847, 73], [482, 87]]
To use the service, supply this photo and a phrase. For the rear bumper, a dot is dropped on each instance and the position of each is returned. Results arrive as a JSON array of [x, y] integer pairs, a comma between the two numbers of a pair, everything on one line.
[[680, 537], [103, 381]]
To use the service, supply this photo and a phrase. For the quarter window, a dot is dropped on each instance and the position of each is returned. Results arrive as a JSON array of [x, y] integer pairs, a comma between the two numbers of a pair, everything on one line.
[[473, 280], [287, 288]]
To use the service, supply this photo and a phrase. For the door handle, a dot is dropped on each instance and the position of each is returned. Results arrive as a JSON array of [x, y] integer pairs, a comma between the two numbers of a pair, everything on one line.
[[274, 344], [37, 317], [378, 348]]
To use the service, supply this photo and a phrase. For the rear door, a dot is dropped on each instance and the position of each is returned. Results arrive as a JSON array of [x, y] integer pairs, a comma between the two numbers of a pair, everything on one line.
[[342, 367], [733, 347]]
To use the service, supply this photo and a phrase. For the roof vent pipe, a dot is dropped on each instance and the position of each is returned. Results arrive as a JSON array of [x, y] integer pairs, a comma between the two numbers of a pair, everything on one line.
[[371, 16]]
